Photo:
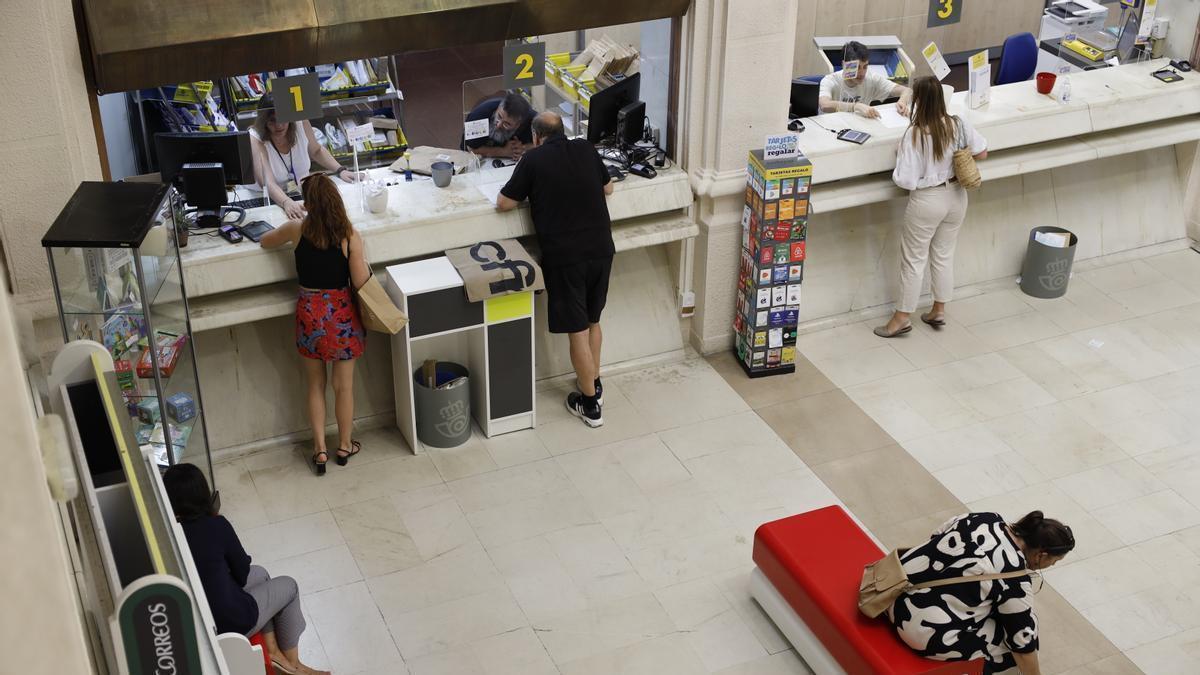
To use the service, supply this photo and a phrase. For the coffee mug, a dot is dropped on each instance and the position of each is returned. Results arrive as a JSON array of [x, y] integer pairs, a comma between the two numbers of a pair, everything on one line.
[[442, 171]]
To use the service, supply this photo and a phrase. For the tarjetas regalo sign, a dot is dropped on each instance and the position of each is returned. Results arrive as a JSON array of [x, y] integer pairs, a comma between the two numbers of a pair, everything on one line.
[[785, 146], [156, 628]]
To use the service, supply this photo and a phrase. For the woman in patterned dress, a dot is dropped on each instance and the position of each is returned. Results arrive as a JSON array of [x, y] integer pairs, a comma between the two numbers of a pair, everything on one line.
[[993, 619], [330, 263]]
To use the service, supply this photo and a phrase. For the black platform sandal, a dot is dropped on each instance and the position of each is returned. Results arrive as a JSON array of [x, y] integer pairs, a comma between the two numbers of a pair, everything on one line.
[[355, 448], [319, 465]]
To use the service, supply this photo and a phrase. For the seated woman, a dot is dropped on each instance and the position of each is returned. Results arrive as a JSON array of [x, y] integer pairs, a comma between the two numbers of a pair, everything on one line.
[[243, 597], [993, 619], [284, 154]]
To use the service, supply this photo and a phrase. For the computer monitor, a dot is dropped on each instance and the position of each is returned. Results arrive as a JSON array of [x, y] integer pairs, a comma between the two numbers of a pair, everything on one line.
[[607, 103], [230, 149], [805, 94], [200, 165], [1128, 41]]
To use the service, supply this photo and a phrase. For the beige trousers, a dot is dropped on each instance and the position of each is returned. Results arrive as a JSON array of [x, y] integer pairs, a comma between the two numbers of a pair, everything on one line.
[[931, 224]]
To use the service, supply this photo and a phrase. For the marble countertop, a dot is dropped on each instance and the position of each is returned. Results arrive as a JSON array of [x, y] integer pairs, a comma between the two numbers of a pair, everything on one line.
[[1104, 99], [420, 219]]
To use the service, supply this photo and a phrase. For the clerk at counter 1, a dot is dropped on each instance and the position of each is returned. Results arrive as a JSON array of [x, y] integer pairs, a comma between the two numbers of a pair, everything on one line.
[[509, 134], [841, 92], [286, 153]]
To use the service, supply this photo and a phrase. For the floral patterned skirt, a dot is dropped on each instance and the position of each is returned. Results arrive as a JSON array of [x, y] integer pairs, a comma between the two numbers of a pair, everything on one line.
[[328, 327]]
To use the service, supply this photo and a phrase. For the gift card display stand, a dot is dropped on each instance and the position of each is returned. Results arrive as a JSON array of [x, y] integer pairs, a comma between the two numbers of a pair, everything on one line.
[[774, 230], [493, 339]]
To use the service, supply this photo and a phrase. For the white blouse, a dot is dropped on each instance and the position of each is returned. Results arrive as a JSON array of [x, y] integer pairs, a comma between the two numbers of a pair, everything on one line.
[[916, 167], [287, 166]]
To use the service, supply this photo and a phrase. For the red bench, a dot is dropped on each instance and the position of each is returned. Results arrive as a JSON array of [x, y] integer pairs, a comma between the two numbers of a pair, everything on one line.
[[809, 569]]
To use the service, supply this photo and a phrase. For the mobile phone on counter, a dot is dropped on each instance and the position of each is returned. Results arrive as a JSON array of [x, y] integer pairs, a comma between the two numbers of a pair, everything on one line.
[[230, 234]]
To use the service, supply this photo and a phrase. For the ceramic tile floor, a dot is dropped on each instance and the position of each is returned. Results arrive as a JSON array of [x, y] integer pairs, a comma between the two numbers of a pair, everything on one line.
[[627, 549]]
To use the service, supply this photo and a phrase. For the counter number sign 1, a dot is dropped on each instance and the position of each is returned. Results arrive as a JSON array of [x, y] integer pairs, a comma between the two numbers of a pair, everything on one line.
[[785, 146], [297, 97], [937, 62], [944, 12], [524, 64]]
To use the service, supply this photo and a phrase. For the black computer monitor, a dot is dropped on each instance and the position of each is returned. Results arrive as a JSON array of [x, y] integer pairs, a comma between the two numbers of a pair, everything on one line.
[[1128, 41], [607, 103], [805, 94], [230, 149], [200, 165]]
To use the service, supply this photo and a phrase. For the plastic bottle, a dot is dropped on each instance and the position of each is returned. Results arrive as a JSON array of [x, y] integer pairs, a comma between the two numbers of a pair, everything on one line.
[[407, 166], [1064, 94]]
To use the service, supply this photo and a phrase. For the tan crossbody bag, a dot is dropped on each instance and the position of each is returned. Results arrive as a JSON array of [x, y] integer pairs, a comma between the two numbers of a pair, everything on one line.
[[884, 580], [965, 168]]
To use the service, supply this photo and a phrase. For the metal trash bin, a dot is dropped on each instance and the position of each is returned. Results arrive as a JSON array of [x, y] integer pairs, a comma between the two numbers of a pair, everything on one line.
[[443, 415], [1047, 269]]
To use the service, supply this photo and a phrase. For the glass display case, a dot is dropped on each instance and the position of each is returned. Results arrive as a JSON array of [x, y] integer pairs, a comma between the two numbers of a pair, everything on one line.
[[118, 280]]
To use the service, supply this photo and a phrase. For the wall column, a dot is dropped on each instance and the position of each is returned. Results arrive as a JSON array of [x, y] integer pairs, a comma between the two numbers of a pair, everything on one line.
[[736, 81]]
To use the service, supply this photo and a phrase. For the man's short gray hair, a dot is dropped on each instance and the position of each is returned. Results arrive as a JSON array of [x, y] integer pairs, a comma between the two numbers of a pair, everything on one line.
[[548, 125]]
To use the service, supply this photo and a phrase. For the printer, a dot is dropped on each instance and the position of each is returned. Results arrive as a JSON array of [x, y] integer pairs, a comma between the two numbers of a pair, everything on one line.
[[1076, 17]]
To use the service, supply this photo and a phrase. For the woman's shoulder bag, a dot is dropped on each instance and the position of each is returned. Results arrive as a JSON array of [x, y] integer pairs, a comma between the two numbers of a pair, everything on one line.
[[965, 168], [884, 581]]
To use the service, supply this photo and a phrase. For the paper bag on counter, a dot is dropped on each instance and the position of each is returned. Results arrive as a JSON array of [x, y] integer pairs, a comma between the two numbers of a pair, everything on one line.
[[493, 268]]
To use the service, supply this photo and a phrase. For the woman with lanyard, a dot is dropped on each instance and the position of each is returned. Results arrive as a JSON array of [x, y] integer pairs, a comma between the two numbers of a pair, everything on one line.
[[284, 155]]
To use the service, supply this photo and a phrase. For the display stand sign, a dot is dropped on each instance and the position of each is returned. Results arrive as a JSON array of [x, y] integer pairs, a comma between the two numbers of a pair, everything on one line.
[[980, 80], [785, 146], [156, 627], [296, 97], [1147, 24], [937, 62], [524, 64], [356, 134], [774, 234]]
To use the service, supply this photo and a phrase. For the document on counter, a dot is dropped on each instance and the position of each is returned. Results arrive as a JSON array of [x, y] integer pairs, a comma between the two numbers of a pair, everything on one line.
[[892, 119], [491, 191]]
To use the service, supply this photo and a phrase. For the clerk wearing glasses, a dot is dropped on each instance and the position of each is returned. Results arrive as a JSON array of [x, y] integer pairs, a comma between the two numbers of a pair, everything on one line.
[[284, 154]]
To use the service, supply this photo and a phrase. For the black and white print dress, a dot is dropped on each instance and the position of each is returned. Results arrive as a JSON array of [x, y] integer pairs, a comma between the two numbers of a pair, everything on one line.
[[967, 621]]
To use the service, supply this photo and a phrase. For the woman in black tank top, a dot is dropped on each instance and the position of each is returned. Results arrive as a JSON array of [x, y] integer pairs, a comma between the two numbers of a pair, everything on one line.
[[329, 265]]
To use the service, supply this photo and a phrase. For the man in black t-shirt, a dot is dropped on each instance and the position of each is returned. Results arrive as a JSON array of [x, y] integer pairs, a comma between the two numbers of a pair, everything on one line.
[[509, 134], [566, 184]]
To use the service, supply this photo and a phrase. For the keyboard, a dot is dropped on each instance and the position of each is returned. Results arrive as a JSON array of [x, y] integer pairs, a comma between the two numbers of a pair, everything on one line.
[[261, 201]]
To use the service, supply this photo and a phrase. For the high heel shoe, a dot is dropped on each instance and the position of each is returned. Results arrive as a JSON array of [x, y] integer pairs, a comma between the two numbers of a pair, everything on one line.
[[319, 464], [355, 448]]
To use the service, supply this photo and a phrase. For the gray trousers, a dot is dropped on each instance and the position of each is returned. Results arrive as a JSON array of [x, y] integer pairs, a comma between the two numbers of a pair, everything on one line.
[[278, 607]]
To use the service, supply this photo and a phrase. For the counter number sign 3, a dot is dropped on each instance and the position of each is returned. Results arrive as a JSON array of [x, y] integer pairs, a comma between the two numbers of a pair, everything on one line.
[[944, 12], [297, 97], [524, 64]]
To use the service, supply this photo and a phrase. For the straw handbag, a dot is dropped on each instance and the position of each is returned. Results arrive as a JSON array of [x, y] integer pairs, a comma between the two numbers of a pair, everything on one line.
[[884, 580], [965, 169]]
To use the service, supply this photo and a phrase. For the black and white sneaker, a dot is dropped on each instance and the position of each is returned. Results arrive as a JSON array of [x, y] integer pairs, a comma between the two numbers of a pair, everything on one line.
[[579, 406], [599, 390]]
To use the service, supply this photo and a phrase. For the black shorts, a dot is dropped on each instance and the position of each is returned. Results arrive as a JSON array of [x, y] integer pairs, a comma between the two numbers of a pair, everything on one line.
[[576, 294]]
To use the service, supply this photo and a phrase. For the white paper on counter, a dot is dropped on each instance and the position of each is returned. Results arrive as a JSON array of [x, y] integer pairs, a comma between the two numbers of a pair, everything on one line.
[[892, 119], [491, 191]]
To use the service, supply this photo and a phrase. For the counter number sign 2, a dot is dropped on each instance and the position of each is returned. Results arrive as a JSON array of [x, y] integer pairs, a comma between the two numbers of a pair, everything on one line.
[[944, 12], [297, 97], [524, 64]]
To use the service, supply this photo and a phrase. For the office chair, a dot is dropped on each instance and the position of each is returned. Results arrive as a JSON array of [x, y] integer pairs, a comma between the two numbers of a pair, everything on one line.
[[1018, 59]]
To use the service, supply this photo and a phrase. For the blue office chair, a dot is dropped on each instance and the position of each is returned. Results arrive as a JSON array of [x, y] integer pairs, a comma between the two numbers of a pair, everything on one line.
[[1018, 59]]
